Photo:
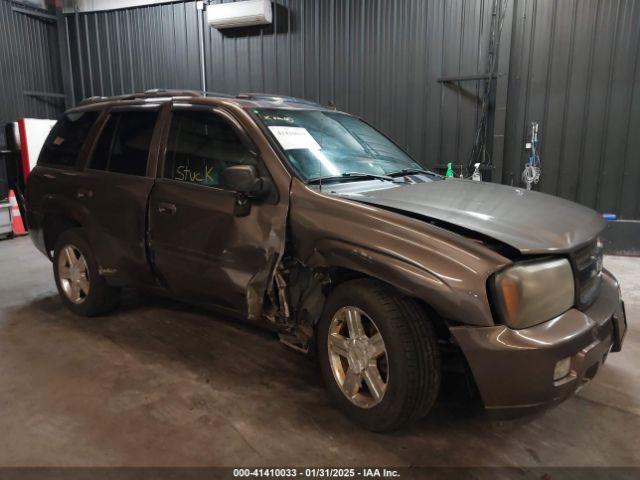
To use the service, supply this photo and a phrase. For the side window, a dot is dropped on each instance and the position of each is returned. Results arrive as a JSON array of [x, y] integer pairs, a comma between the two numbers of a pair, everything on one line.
[[66, 139], [200, 146], [124, 143]]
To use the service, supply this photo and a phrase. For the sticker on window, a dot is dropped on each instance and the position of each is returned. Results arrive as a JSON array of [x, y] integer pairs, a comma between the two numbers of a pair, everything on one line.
[[292, 138]]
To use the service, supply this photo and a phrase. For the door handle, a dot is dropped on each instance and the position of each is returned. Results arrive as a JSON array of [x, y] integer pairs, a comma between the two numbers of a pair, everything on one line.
[[166, 208], [84, 193]]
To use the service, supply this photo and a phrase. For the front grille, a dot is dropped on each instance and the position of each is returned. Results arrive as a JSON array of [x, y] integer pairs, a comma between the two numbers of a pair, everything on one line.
[[587, 265]]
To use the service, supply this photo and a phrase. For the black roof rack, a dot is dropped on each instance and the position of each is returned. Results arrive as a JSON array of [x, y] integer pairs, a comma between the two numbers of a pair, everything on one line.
[[160, 93], [167, 92], [218, 94], [94, 99], [276, 98], [153, 93]]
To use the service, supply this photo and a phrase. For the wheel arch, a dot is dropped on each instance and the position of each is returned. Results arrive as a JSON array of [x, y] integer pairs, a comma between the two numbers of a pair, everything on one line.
[[341, 274], [345, 262], [53, 225], [450, 352], [411, 368]]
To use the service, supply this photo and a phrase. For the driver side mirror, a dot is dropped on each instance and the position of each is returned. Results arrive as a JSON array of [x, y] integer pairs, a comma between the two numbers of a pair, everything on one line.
[[244, 179]]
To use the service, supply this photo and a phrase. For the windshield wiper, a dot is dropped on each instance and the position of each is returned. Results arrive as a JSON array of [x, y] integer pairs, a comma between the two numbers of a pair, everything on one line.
[[410, 171], [350, 175]]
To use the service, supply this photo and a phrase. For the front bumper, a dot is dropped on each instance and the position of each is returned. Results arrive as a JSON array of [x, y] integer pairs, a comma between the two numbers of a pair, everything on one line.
[[514, 369]]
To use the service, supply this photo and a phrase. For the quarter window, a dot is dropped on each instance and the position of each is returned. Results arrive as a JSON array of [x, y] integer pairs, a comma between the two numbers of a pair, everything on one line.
[[200, 146], [123, 146], [66, 138]]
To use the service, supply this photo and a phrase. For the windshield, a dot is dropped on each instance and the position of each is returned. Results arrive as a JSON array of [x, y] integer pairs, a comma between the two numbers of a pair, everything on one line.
[[332, 144]]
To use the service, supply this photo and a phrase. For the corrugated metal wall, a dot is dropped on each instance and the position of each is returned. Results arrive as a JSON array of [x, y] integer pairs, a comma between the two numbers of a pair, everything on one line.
[[571, 65], [375, 58], [29, 62], [574, 68]]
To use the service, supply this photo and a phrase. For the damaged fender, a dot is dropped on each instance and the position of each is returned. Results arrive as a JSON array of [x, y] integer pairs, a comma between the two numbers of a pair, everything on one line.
[[408, 278], [443, 268]]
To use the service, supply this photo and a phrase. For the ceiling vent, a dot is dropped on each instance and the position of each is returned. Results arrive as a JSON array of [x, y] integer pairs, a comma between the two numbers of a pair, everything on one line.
[[239, 14]]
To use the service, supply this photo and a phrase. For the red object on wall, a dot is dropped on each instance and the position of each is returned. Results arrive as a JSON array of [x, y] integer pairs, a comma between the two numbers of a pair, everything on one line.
[[24, 149]]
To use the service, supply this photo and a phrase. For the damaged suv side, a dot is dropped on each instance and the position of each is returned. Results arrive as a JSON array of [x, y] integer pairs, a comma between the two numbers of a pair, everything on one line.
[[311, 222]]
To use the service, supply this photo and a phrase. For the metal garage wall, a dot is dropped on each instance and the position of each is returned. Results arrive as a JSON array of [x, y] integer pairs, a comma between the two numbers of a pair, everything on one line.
[[132, 50], [574, 68], [571, 66], [28, 63], [376, 58]]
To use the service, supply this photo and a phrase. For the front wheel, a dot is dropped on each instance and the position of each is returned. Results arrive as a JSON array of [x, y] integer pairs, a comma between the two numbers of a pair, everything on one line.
[[378, 355]]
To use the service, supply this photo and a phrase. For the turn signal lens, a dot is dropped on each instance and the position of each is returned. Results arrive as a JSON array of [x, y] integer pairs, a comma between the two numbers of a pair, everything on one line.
[[511, 297]]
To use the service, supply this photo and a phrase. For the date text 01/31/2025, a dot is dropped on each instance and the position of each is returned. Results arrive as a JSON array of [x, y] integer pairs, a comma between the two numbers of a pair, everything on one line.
[[315, 472]]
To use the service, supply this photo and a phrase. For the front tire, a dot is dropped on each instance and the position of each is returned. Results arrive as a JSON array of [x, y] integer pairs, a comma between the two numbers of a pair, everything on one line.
[[82, 289], [378, 355]]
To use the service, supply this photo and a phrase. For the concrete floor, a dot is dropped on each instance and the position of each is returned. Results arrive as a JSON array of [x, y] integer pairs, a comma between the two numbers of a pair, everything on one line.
[[158, 383]]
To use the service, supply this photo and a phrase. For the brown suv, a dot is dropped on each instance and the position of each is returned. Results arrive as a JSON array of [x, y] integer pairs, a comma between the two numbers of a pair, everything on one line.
[[310, 221]]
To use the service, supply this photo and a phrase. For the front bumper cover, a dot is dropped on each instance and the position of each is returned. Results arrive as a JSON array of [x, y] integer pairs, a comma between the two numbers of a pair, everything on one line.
[[513, 369]]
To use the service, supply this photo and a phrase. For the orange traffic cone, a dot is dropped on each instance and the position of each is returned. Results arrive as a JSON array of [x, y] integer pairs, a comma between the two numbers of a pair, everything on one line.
[[16, 220]]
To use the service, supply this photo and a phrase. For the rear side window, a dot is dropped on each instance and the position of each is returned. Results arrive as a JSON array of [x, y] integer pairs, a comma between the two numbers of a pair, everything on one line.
[[66, 138], [124, 143], [200, 146]]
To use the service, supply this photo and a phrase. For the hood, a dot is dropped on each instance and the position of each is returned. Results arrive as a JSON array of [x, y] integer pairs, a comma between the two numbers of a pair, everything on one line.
[[528, 221]]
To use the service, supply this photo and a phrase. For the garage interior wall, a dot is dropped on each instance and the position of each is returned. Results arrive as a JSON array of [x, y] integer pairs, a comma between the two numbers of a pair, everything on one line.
[[570, 65], [30, 77]]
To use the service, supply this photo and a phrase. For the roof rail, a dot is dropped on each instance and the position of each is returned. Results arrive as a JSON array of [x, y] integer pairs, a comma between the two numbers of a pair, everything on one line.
[[162, 92], [276, 98], [218, 94], [88, 100], [153, 93]]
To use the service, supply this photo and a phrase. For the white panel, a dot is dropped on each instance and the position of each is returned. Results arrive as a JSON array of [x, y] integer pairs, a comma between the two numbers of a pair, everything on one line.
[[37, 131], [239, 14]]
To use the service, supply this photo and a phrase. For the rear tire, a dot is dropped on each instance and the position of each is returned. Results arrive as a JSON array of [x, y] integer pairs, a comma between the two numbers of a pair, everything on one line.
[[82, 289], [409, 367]]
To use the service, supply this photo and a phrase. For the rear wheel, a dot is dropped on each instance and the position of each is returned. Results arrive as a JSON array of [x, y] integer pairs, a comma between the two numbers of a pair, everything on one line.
[[83, 290], [378, 355]]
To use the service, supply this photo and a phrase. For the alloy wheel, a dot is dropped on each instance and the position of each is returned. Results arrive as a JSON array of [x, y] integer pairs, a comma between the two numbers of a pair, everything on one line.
[[73, 274], [358, 357]]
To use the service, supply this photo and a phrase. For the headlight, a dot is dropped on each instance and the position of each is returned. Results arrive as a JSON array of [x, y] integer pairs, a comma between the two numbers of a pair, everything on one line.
[[533, 292]]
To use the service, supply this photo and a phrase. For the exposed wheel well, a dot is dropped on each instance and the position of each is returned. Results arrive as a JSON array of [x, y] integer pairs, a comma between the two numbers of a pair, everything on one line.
[[340, 275], [53, 226], [456, 371]]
